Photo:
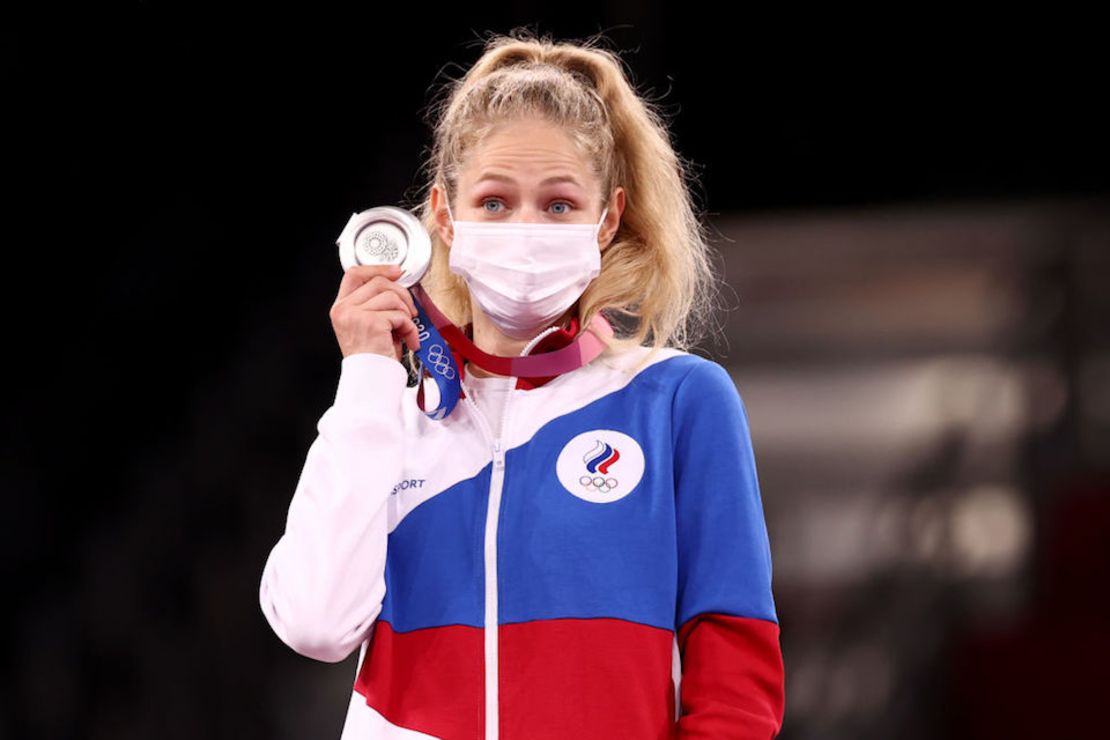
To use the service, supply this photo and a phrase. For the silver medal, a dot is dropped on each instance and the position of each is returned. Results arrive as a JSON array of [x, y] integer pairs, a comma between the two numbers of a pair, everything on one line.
[[387, 235]]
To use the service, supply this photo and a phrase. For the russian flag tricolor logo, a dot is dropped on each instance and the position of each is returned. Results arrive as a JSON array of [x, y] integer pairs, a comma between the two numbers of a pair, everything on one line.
[[601, 457]]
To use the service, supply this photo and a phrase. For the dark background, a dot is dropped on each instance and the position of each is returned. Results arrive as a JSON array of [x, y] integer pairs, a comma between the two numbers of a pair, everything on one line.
[[180, 174]]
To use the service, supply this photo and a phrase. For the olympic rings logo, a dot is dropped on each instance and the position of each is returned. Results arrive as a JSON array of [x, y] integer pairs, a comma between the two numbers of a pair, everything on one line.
[[441, 362], [597, 483]]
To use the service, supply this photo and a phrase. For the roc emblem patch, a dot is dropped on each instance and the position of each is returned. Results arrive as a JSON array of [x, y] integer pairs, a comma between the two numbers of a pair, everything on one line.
[[600, 466]]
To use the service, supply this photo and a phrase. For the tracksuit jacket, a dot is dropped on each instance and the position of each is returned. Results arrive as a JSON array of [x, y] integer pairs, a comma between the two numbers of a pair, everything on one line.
[[602, 570]]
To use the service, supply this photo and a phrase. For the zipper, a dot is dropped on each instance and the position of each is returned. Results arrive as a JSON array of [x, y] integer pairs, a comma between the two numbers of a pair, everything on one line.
[[493, 512]]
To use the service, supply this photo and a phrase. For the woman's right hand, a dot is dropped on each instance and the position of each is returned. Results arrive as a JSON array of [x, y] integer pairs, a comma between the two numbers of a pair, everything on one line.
[[372, 313]]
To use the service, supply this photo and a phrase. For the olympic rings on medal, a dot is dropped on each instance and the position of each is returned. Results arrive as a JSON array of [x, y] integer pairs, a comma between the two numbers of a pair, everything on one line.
[[440, 361], [598, 483]]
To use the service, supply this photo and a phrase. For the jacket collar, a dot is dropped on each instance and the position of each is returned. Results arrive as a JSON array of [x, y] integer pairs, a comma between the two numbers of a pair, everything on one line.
[[555, 340]]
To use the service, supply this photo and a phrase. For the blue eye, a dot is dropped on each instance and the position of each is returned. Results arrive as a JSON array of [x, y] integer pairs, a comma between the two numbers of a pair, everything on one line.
[[566, 205]]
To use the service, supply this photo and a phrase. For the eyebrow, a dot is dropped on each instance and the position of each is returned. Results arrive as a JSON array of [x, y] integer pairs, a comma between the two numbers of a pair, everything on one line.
[[551, 180]]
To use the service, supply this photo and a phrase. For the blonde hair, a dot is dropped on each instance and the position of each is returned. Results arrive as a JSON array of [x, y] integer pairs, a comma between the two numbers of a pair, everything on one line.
[[656, 282]]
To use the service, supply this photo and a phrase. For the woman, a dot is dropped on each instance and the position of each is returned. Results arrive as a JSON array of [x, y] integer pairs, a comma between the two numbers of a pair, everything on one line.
[[577, 556]]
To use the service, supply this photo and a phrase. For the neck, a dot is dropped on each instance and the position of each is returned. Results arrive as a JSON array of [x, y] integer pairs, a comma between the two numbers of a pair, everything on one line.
[[492, 341]]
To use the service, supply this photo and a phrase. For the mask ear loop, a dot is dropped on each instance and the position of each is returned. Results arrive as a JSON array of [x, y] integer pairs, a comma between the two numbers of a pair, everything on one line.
[[537, 339], [528, 347]]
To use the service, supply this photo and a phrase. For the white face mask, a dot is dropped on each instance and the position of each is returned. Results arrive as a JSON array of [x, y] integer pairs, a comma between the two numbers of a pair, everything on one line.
[[523, 275]]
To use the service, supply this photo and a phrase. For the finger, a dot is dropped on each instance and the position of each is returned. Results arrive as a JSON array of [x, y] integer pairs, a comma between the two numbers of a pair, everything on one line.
[[386, 300], [412, 334], [379, 284], [358, 275], [403, 326]]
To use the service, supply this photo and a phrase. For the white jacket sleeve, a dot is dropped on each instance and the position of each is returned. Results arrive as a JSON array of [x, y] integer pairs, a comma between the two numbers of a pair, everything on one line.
[[324, 581]]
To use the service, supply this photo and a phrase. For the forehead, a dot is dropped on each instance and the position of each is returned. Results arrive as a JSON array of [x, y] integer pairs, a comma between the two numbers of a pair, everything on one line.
[[530, 152]]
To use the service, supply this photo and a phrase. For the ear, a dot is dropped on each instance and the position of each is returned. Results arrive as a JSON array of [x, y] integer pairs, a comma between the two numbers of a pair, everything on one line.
[[612, 221], [442, 219]]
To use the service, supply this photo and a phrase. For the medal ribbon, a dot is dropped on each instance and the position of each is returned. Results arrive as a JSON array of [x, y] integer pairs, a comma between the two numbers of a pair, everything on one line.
[[436, 330]]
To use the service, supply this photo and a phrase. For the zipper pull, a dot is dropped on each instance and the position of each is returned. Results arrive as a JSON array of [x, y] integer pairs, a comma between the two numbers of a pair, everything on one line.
[[498, 454]]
